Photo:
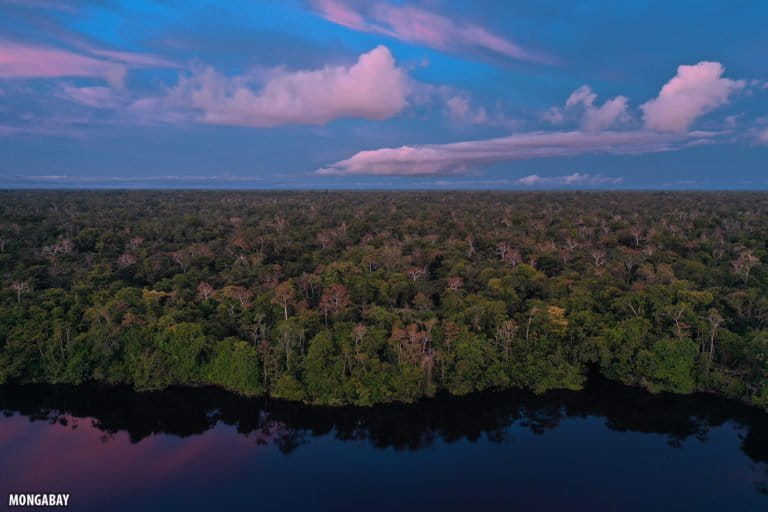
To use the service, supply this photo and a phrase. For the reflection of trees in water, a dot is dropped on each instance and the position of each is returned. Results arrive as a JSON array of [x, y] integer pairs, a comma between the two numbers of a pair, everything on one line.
[[761, 482], [185, 412], [270, 431]]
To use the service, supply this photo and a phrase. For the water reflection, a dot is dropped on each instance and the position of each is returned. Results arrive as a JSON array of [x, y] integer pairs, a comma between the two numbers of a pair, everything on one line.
[[128, 442], [184, 412]]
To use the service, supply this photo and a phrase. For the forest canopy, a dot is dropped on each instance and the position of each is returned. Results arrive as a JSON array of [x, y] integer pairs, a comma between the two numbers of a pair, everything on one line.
[[370, 297]]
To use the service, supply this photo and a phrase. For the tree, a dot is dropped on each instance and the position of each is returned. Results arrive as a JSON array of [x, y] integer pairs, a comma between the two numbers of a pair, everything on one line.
[[284, 296], [715, 320], [289, 335], [639, 285], [637, 235], [239, 293], [670, 366], [20, 287], [416, 273], [134, 243], [531, 314], [455, 283], [181, 258], [126, 260], [234, 365], [679, 313], [358, 335], [321, 370], [205, 291], [335, 300], [744, 264], [505, 335], [599, 258]]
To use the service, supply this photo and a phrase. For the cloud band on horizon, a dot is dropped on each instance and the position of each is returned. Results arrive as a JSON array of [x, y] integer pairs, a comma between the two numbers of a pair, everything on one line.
[[461, 157]]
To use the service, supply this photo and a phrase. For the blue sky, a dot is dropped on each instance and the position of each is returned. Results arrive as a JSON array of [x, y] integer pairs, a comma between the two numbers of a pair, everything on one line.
[[388, 94]]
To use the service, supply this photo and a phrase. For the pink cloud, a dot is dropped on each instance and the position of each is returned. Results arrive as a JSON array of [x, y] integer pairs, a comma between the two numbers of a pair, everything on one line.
[[21, 61], [371, 88], [95, 97], [691, 93], [139, 60], [460, 109], [416, 25], [29, 61], [341, 14], [554, 115], [593, 117], [459, 157]]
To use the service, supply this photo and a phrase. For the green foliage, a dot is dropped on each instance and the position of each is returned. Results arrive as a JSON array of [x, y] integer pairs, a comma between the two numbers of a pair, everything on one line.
[[288, 387], [670, 366], [322, 370], [475, 366], [235, 365], [181, 348], [364, 298]]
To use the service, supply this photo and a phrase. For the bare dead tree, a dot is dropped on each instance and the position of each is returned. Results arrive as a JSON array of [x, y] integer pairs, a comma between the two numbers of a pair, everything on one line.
[[205, 291], [455, 283], [505, 335], [715, 320], [744, 264], [20, 287], [125, 260]]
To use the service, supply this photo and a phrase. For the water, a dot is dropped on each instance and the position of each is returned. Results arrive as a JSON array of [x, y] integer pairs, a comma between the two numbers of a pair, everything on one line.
[[605, 448]]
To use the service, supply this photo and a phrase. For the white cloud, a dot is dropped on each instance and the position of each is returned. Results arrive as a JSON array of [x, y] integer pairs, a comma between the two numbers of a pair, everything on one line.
[[570, 179], [691, 93]]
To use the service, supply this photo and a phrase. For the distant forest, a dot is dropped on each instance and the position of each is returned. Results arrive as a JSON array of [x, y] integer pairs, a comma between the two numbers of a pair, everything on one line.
[[369, 297]]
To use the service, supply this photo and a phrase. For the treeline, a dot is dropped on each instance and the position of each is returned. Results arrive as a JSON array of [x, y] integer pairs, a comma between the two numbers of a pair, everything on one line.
[[370, 297]]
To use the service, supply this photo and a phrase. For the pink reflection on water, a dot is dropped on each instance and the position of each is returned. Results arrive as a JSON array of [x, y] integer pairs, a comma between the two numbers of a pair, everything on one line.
[[80, 459]]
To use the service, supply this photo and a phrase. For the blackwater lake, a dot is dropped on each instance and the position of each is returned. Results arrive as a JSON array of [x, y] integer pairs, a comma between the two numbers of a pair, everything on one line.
[[608, 447]]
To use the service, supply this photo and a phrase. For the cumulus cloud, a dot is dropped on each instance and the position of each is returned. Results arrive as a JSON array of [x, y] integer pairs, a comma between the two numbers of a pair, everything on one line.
[[592, 117], [570, 179], [596, 118], [373, 87], [459, 157], [18, 60], [691, 93], [416, 25]]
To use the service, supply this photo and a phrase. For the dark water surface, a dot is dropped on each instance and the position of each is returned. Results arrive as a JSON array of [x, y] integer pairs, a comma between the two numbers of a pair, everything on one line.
[[605, 448]]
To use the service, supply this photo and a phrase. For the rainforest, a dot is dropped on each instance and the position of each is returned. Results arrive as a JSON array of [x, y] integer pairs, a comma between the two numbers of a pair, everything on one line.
[[361, 298]]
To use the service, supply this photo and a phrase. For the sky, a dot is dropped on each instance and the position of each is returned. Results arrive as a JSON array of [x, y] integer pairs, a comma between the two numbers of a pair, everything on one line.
[[356, 94]]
